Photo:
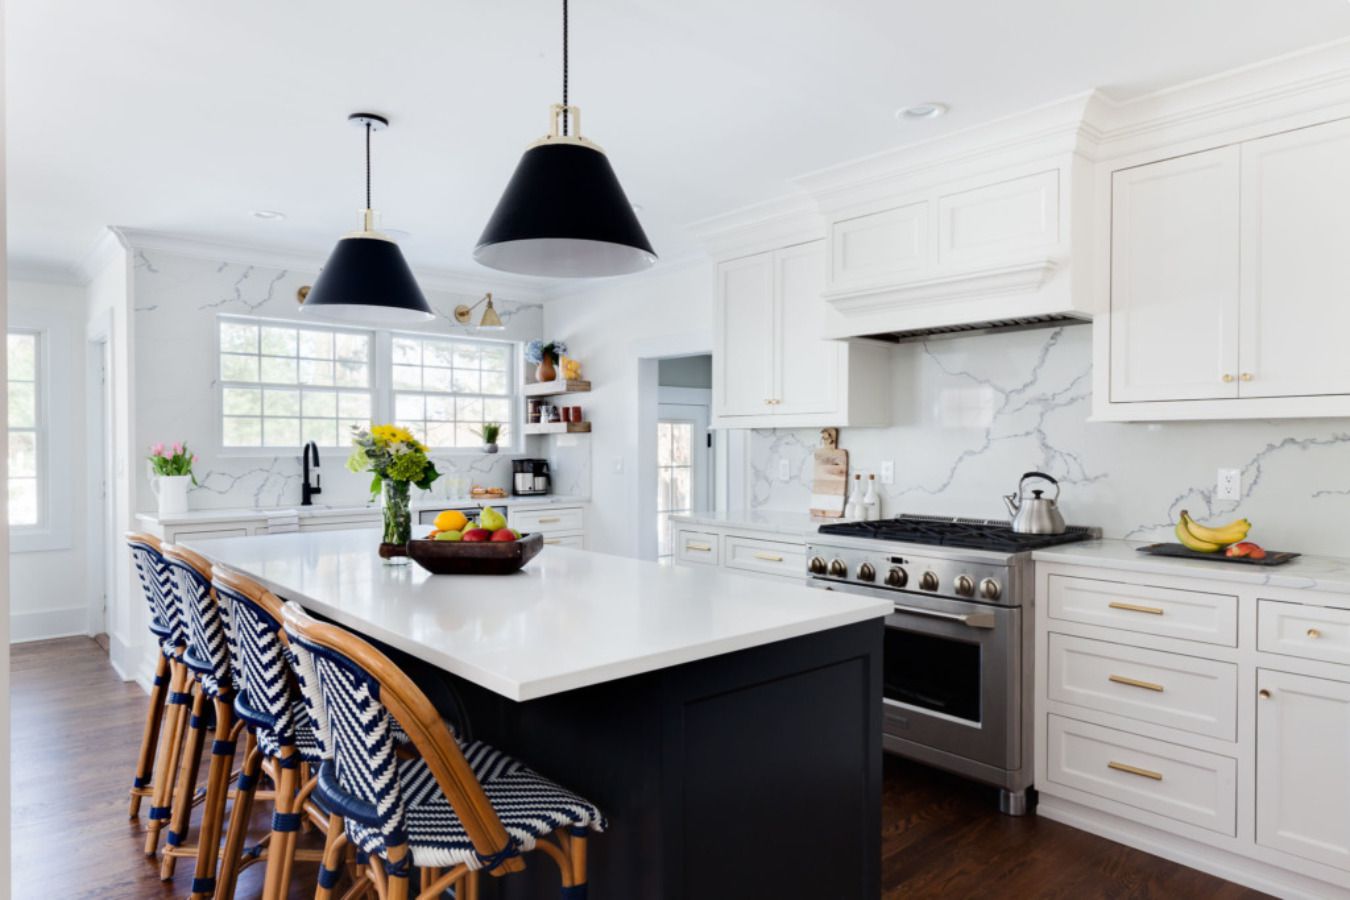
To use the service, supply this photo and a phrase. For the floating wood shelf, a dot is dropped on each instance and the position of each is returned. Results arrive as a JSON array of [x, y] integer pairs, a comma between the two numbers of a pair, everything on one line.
[[558, 428], [554, 388]]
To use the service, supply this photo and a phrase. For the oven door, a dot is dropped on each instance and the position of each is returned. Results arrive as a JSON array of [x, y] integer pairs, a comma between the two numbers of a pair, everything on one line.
[[952, 678]]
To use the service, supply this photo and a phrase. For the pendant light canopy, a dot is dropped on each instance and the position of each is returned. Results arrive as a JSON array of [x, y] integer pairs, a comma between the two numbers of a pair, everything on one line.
[[564, 212], [366, 279]]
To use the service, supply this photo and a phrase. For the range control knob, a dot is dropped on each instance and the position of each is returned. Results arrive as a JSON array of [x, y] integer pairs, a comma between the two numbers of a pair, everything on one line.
[[897, 577], [965, 586], [928, 581], [990, 589], [816, 566], [837, 568], [866, 572]]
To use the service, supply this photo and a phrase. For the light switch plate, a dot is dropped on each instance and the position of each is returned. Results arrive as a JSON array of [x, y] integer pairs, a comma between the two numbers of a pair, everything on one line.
[[1228, 484], [888, 471], [784, 470]]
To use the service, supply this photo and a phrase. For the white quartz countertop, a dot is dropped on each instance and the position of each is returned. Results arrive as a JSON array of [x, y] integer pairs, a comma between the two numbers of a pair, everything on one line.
[[204, 516], [423, 503], [569, 619], [785, 522], [1323, 573]]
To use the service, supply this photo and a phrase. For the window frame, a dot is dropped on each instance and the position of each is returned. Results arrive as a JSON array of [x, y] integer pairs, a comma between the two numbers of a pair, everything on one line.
[[381, 385], [53, 435]]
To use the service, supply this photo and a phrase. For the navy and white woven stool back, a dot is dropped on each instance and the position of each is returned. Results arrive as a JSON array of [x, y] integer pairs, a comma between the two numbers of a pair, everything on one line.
[[208, 646], [165, 619], [265, 697]]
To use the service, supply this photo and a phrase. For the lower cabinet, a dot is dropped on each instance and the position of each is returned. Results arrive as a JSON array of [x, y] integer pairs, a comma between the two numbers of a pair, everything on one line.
[[767, 554], [1303, 766]]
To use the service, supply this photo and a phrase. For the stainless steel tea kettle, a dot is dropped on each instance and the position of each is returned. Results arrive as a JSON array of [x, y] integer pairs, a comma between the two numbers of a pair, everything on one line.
[[1035, 514]]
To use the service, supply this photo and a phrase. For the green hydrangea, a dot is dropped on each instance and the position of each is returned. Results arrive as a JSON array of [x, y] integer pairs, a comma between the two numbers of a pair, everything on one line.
[[407, 467]]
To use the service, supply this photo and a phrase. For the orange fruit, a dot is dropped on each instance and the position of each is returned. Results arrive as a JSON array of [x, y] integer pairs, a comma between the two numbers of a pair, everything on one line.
[[451, 520]]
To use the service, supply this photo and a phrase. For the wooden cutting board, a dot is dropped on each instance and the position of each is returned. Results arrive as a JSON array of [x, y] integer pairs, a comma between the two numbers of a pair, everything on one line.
[[829, 476]]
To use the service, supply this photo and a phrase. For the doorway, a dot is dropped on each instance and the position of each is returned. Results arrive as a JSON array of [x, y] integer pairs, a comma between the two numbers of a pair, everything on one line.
[[685, 458]]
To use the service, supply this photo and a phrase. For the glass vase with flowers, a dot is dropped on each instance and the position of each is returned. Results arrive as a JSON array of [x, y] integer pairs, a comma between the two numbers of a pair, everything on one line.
[[397, 461]]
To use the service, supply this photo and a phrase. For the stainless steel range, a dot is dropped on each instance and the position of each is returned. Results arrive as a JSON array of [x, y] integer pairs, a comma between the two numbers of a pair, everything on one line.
[[957, 675]]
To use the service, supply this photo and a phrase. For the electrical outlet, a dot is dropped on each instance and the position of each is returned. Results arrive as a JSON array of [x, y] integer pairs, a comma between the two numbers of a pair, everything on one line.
[[1228, 484], [784, 470], [888, 471]]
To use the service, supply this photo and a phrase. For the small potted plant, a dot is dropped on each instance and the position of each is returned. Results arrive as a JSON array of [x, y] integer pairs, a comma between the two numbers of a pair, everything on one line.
[[545, 357], [172, 473], [398, 461], [489, 433]]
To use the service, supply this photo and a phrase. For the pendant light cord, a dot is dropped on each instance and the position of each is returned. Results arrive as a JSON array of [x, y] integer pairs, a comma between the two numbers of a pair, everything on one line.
[[566, 116], [367, 165]]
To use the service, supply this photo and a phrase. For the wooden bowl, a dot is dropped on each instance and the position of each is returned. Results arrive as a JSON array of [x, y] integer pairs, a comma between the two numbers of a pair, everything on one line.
[[475, 557]]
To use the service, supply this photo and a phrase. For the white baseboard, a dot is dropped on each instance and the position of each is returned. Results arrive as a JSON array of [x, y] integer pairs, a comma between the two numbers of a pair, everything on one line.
[[48, 623], [1252, 873]]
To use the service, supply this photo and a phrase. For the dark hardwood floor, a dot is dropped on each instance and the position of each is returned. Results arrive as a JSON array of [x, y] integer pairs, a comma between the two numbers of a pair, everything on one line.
[[76, 729]]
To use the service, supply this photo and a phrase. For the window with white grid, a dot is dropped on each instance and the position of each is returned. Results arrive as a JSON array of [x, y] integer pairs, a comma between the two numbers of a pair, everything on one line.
[[446, 389], [283, 385], [25, 430]]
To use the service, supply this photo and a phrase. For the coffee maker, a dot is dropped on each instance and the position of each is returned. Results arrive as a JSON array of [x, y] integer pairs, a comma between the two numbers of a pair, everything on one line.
[[530, 477]]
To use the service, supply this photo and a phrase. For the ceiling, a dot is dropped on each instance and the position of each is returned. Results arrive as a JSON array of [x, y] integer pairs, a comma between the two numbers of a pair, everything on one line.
[[186, 117]]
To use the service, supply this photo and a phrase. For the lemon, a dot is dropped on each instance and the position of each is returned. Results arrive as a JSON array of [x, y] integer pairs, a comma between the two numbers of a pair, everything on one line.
[[451, 520]]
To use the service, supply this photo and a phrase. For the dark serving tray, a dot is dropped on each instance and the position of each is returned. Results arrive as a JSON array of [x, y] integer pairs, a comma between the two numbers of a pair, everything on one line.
[[1272, 557]]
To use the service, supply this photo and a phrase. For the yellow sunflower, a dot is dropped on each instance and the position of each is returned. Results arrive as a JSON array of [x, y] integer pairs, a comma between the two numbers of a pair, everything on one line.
[[388, 434]]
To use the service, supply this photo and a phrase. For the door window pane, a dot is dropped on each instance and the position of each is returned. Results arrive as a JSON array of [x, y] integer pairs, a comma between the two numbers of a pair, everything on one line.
[[674, 477], [27, 433]]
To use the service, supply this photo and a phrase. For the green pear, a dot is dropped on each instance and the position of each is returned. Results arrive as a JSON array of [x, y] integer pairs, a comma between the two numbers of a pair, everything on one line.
[[450, 536], [491, 519]]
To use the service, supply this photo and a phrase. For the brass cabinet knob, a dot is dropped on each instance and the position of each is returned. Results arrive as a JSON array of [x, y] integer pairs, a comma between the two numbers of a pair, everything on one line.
[[1227, 378], [1263, 694], [1314, 633], [1247, 376]]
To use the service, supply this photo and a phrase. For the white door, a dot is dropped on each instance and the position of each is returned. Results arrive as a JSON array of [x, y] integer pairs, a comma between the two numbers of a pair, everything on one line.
[[744, 352], [683, 466], [1303, 766], [1296, 263], [807, 366], [1174, 279]]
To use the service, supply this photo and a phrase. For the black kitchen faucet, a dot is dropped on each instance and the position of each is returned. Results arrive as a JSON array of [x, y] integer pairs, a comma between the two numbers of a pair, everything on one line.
[[308, 491]]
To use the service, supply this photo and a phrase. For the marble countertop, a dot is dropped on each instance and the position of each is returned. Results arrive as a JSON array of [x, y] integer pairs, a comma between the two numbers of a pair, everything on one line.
[[202, 516], [785, 522], [569, 619], [469, 502], [1322, 573]]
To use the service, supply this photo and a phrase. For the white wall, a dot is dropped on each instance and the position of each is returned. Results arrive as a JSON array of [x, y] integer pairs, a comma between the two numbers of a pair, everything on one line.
[[48, 588], [611, 326]]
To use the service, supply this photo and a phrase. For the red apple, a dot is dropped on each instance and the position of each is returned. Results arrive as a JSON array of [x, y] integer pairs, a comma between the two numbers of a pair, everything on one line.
[[477, 535], [1245, 548], [504, 534]]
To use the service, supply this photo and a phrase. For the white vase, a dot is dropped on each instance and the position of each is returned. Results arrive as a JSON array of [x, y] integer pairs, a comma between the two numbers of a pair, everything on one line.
[[172, 493]]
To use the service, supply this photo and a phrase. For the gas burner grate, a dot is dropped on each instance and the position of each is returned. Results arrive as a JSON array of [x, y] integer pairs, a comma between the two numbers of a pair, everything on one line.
[[949, 531]]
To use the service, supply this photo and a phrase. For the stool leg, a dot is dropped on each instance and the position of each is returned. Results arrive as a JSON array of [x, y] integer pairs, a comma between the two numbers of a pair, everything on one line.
[[281, 847], [186, 786], [166, 760], [145, 760], [577, 850], [213, 810], [333, 846], [239, 816]]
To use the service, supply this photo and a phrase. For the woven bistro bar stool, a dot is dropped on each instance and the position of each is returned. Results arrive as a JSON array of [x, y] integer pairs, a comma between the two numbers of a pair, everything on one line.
[[280, 741], [207, 657], [170, 692], [453, 812]]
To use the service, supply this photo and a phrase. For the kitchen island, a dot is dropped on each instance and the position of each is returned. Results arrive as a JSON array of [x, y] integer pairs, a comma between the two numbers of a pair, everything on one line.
[[729, 728]]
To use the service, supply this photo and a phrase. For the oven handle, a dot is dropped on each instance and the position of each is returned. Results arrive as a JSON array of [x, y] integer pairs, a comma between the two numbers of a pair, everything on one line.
[[970, 620]]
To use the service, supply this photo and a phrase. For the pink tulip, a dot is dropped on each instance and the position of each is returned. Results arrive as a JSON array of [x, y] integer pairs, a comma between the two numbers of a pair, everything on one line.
[[177, 448], [157, 449], [194, 457]]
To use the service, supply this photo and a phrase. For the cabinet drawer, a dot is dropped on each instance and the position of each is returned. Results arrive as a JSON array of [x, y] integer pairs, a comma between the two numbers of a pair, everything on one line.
[[764, 557], [1166, 612], [698, 547], [1197, 695], [1297, 629], [1143, 775], [566, 540], [547, 521]]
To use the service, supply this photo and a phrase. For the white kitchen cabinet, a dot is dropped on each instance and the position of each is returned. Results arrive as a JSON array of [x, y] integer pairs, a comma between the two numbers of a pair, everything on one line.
[[1227, 285], [1303, 766], [771, 367]]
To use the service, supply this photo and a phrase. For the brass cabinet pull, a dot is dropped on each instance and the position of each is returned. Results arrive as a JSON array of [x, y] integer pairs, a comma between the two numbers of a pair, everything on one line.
[[769, 557], [1134, 607], [702, 548], [549, 520], [1134, 770], [1263, 694], [1227, 378], [1134, 682], [553, 541], [1314, 633], [1247, 376]]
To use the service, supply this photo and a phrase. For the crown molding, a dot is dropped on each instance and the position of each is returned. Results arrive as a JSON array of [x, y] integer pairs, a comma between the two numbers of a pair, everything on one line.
[[111, 244], [780, 222], [450, 281]]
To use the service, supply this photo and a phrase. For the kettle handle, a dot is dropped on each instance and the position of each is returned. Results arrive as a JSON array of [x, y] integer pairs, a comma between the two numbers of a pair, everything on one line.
[[1041, 475]]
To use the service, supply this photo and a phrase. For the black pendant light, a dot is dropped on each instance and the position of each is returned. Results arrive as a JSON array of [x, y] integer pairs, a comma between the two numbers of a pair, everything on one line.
[[366, 279], [564, 213]]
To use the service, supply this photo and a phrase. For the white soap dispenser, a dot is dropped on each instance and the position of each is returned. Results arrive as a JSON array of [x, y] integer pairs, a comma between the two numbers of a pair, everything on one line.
[[854, 508], [872, 501]]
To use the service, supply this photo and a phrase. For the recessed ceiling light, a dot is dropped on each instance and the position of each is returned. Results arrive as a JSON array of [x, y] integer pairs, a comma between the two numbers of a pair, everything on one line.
[[270, 215], [922, 111]]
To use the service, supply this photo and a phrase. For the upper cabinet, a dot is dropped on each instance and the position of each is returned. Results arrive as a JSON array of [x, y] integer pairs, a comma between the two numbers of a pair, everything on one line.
[[1230, 282], [771, 365]]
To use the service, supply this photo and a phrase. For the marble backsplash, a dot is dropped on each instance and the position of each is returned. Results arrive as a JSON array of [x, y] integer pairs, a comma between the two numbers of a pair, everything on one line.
[[972, 414], [177, 299]]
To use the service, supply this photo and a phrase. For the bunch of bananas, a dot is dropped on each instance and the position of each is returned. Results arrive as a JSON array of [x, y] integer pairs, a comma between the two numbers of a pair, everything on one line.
[[1204, 539]]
